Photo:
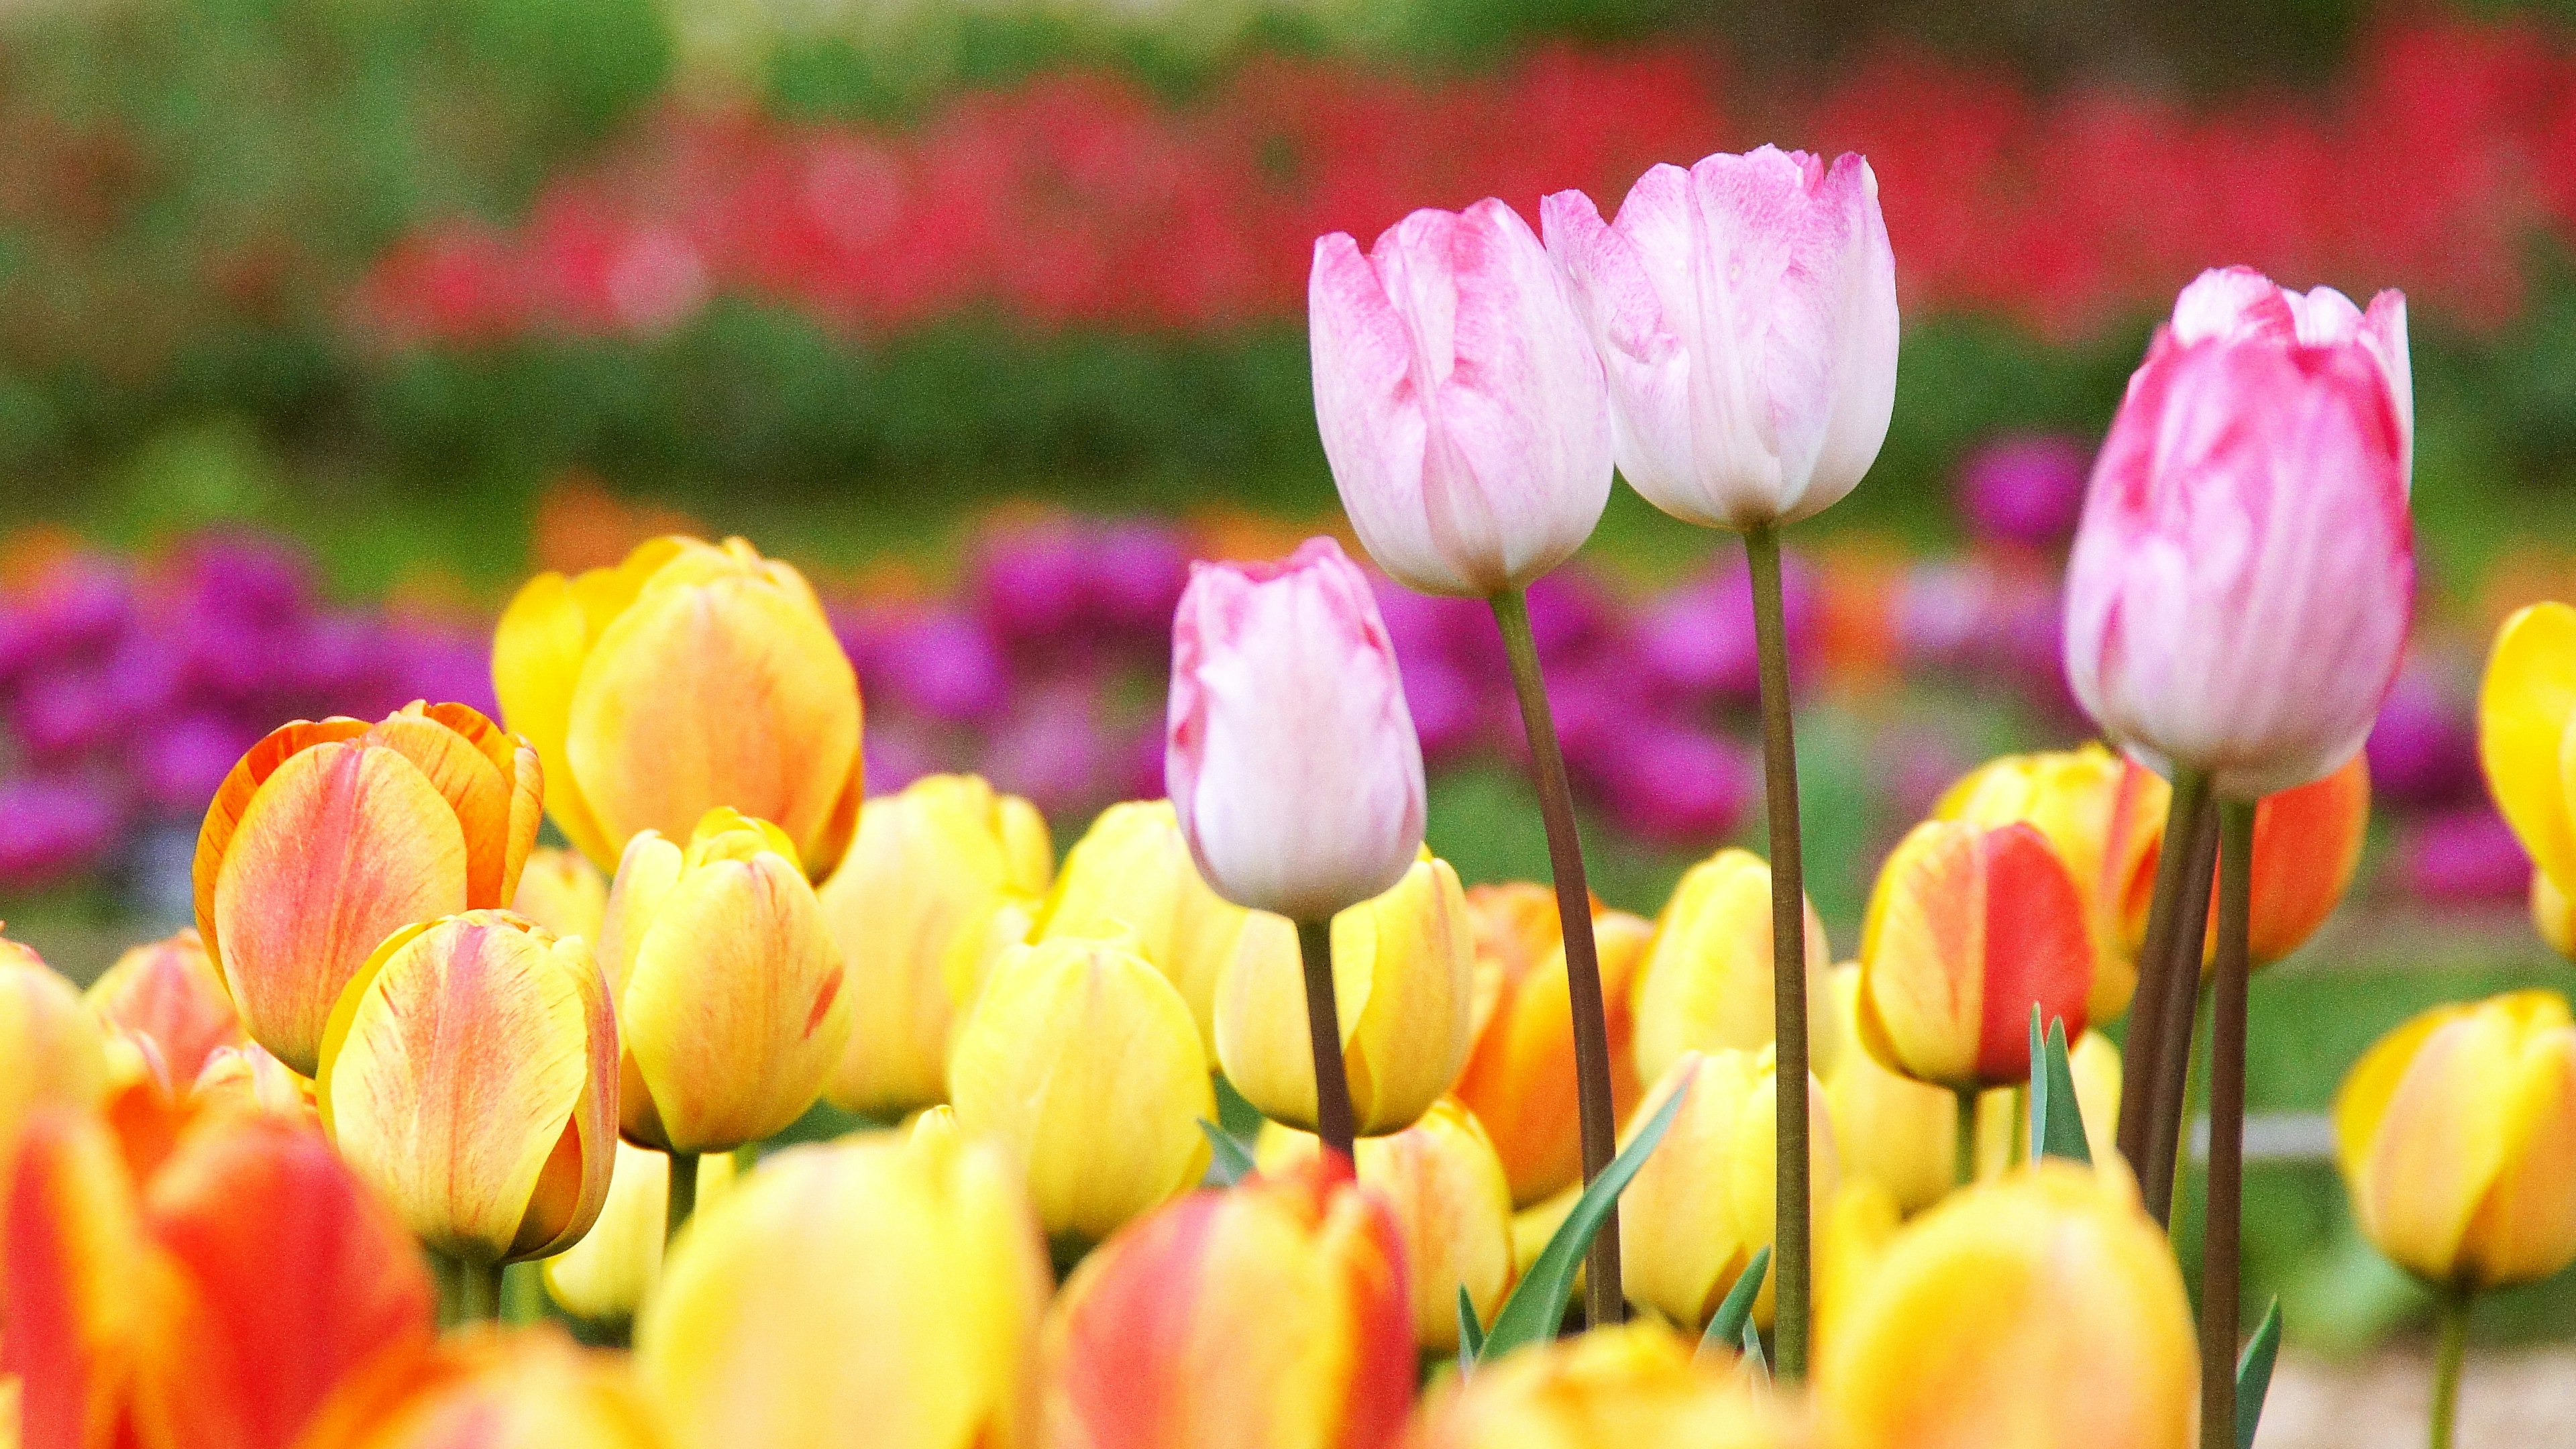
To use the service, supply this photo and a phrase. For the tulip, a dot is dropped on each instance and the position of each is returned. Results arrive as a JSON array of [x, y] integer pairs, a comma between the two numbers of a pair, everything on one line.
[[2525, 705], [1637, 1384], [1404, 988], [1291, 756], [2241, 304], [469, 1074], [2238, 596], [2011, 1312], [563, 892], [1520, 1074], [689, 677], [170, 992], [54, 1050], [610, 1273], [1745, 313], [525, 1389], [1890, 1129], [328, 837], [2307, 847], [2099, 816], [873, 1286], [1705, 984], [247, 1077], [913, 908], [1461, 404], [730, 1010], [1967, 929], [1453, 1211], [1132, 873], [1273, 1313], [1084, 1061], [1703, 1203]]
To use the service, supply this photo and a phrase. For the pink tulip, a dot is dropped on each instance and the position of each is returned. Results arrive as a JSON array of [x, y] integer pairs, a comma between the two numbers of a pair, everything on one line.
[[2239, 303], [1461, 404], [2239, 593], [1291, 755], [1745, 311]]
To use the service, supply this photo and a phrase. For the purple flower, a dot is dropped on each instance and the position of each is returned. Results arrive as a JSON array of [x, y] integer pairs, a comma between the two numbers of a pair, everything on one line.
[[1449, 712], [1698, 637], [83, 604], [2467, 854], [54, 827], [1678, 786], [2023, 489], [1053, 751], [2423, 749], [249, 576], [1031, 583], [179, 763], [942, 664], [1137, 573]]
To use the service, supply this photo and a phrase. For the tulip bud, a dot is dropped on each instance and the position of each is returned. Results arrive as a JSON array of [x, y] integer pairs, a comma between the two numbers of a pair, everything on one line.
[[1084, 1061], [469, 1074], [1404, 988], [1519, 1079], [2010, 1312], [1460, 401], [170, 992], [1705, 984], [1291, 755], [563, 892], [1704, 1202], [1745, 313], [2241, 304], [2307, 845], [1270, 1313], [326, 838], [687, 678], [874, 1285], [1966, 931], [1889, 1128], [913, 908], [612, 1271], [1131, 874], [2239, 593], [1635, 1384], [247, 1077], [728, 987], [528, 1388], [2525, 706], [1453, 1211], [2102, 825], [2456, 1134]]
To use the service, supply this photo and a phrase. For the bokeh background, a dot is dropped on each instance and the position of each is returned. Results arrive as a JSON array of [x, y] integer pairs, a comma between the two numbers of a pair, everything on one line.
[[324, 322]]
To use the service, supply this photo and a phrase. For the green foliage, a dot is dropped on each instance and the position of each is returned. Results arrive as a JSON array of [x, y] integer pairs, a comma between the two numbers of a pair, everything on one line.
[[1537, 1304], [2254, 1375], [1228, 1162], [1733, 1320], [2056, 1117], [1471, 1334]]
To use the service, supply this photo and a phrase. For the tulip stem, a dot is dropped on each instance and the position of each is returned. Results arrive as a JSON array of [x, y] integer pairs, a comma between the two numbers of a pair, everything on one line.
[[1963, 1142], [2143, 1052], [683, 1197], [1604, 1301], [468, 1292], [1788, 953], [2180, 1024], [1333, 1122], [2453, 1318], [2219, 1305]]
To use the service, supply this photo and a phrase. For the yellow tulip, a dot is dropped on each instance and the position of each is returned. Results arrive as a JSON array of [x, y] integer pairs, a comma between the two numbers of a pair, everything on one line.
[[2075, 799], [1404, 993], [170, 993], [1704, 1202], [1453, 1209], [2457, 1138], [913, 908], [527, 1388], [328, 837], [2525, 706], [563, 892], [1083, 1060], [612, 1271], [1132, 872], [54, 1051], [1532, 1226], [1635, 1385], [689, 677], [730, 1007], [2552, 916], [1852, 1234], [2030, 1312], [1705, 984], [469, 1075]]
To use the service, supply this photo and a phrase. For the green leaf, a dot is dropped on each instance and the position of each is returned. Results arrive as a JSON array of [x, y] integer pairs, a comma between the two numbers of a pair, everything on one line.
[[1753, 1357], [1231, 1164], [1537, 1305], [2056, 1119], [1471, 1334], [2254, 1375], [1736, 1310]]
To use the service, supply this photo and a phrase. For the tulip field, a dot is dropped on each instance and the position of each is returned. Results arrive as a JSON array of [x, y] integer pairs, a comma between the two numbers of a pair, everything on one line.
[[1286, 724]]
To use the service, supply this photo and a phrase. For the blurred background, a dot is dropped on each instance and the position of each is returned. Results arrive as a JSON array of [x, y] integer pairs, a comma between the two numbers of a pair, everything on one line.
[[324, 322]]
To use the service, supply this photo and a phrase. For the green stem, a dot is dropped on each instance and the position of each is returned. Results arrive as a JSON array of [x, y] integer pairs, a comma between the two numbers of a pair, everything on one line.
[[1333, 1121], [683, 1197], [2142, 1053], [1788, 953], [1603, 1299], [468, 1292], [2219, 1305], [2180, 1013], [2454, 1321], [1963, 1144]]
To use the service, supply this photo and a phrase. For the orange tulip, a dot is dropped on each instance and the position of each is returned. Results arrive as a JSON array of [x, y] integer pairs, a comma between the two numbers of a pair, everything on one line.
[[1519, 1079], [170, 993], [328, 837], [2307, 844], [2087, 803], [1273, 1313], [488, 1389]]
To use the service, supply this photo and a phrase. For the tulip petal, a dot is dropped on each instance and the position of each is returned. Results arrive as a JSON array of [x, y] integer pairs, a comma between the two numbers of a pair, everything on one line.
[[2422, 1183], [2038, 949], [478, 790], [537, 654], [2525, 1230], [1922, 1002], [2523, 709], [81, 1278], [224, 812]]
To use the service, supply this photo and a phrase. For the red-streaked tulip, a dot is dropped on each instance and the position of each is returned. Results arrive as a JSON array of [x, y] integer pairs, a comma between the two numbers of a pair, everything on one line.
[[2240, 303], [2307, 845], [610, 1273], [2238, 597], [1966, 931], [1273, 1313], [730, 1007], [2089, 804], [914, 908], [1745, 312], [879, 1287], [328, 837], [469, 1074], [1291, 755], [1705, 984], [1460, 401], [1519, 1079], [170, 992], [690, 677], [563, 892], [1625, 1387], [527, 1388]]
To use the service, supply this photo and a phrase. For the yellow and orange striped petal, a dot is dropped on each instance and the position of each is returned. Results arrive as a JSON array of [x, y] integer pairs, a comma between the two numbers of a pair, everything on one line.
[[170, 991]]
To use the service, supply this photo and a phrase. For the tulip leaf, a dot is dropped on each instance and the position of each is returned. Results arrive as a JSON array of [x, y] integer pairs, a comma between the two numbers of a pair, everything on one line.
[[1471, 1334], [2254, 1375], [1736, 1311], [1230, 1164], [2056, 1118], [1537, 1305], [1753, 1357]]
